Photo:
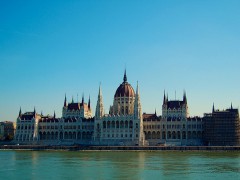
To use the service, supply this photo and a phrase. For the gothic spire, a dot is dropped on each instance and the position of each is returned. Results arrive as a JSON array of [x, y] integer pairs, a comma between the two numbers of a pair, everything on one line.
[[231, 106], [137, 104], [54, 115], [34, 111], [184, 97], [99, 108], [213, 108], [89, 105], [20, 112], [72, 100], [65, 101], [83, 99], [164, 98], [125, 76]]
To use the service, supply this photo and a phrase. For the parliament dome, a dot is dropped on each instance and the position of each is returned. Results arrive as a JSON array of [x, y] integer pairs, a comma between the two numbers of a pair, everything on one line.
[[125, 89]]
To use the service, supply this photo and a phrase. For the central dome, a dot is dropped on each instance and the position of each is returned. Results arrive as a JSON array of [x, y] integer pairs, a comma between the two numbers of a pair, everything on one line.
[[125, 89]]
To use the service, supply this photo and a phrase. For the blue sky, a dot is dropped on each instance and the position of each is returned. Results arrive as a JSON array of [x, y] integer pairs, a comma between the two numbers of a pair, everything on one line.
[[49, 48]]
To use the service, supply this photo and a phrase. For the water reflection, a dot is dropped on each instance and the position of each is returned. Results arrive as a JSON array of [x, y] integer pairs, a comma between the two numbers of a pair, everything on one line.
[[118, 165]]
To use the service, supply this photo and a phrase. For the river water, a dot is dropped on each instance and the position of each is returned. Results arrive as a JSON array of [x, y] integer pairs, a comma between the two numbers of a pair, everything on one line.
[[118, 165]]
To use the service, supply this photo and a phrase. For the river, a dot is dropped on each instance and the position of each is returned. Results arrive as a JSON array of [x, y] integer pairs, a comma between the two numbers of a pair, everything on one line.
[[118, 165]]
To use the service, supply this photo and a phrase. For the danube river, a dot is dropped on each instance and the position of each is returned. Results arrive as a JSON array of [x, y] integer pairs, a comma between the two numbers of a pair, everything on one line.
[[118, 165]]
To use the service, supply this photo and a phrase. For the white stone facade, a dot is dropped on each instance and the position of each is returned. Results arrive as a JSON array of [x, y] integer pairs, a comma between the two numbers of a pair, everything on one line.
[[124, 124]]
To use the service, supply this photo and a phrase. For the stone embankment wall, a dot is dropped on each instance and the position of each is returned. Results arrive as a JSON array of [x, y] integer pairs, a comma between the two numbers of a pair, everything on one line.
[[120, 148]]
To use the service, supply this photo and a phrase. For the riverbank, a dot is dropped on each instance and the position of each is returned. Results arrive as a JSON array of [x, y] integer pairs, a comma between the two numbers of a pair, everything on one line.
[[120, 148]]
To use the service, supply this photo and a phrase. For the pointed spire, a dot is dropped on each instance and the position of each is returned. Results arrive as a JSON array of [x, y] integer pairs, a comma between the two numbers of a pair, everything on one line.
[[231, 106], [155, 112], [137, 91], [41, 113], [99, 107], [34, 110], [99, 91], [72, 100], [184, 97], [213, 108], [164, 98], [137, 104], [83, 99], [54, 115], [89, 105], [65, 101], [125, 76], [20, 112]]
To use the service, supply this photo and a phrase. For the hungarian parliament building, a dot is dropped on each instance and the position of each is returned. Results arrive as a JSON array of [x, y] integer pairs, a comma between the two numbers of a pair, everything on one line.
[[126, 125]]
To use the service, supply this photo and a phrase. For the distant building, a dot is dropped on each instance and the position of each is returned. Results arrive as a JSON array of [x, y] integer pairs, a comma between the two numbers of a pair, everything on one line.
[[27, 126], [7, 130], [222, 128], [75, 126], [174, 127], [124, 124]]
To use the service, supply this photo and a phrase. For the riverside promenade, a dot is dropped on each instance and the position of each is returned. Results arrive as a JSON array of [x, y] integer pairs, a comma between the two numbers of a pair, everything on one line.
[[120, 148]]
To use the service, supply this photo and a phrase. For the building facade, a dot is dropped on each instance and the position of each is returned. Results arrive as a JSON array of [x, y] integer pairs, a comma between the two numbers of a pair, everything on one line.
[[174, 127], [222, 128], [124, 123], [7, 130]]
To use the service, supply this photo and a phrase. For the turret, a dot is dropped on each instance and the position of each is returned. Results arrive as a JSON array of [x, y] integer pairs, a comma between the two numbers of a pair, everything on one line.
[[20, 112], [137, 105], [89, 105], [65, 101], [185, 97], [125, 76], [164, 99], [99, 108], [83, 99]]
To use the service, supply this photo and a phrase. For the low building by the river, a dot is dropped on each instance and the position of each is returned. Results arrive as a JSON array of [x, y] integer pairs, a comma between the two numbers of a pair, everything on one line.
[[222, 128], [174, 127], [7, 130]]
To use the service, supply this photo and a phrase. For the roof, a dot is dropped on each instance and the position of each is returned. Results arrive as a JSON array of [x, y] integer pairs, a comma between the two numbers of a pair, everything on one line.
[[152, 117], [125, 90], [27, 116], [175, 104]]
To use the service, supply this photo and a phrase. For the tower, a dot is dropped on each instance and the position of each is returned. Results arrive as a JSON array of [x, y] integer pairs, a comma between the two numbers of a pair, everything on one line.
[[65, 101], [89, 105], [99, 108], [138, 117], [137, 105], [184, 97], [20, 112]]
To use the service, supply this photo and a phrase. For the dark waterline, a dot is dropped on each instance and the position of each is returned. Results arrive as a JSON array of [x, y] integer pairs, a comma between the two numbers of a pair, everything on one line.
[[118, 165]]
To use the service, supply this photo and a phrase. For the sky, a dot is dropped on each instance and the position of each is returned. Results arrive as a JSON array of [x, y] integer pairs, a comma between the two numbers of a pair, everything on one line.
[[49, 48]]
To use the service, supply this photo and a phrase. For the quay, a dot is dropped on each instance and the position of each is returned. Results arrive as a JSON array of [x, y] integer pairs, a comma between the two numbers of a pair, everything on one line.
[[120, 148]]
